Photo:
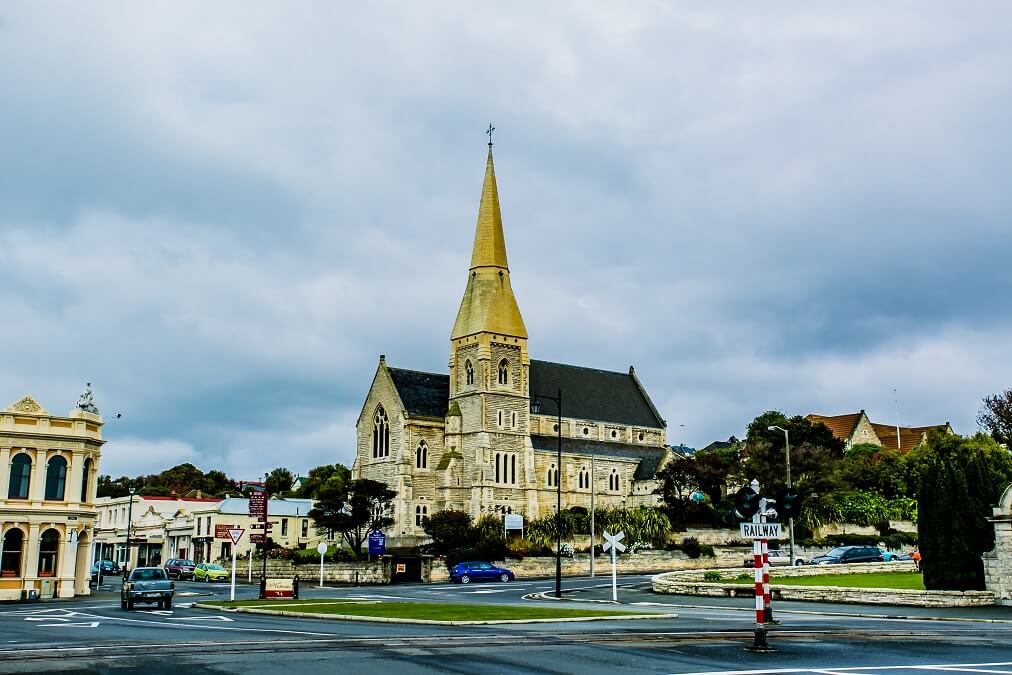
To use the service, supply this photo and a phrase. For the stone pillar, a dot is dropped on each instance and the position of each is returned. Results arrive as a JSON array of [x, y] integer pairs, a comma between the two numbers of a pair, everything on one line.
[[32, 553], [998, 561], [75, 474], [67, 565], [37, 490]]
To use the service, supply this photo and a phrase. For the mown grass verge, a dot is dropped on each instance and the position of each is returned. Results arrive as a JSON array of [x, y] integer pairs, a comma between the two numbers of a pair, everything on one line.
[[428, 611]]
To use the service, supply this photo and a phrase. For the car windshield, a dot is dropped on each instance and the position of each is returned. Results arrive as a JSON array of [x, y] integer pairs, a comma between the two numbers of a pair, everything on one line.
[[185, 562], [147, 574], [216, 567], [838, 552]]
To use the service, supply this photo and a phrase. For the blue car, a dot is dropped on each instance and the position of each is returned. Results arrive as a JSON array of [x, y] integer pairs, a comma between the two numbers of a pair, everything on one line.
[[466, 572]]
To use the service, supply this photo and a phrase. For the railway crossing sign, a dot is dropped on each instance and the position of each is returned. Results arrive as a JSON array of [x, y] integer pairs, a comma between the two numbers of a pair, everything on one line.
[[613, 543]]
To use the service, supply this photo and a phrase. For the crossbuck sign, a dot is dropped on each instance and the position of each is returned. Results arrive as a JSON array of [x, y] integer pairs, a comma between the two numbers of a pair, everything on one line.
[[613, 543]]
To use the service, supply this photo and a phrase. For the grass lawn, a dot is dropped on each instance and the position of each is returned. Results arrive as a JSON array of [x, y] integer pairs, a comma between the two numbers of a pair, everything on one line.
[[902, 580], [423, 610]]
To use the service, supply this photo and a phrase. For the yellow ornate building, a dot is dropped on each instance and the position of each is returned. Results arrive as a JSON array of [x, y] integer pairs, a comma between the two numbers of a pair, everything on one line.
[[48, 477], [469, 440]]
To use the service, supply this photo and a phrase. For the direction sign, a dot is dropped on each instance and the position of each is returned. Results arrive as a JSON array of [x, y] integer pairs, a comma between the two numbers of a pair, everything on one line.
[[235, 534], [255, 538], [761, 530], [221, 531], [257, 505]]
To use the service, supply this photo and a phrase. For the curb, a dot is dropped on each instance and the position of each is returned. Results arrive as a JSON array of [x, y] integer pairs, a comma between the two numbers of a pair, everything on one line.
[[382, 619]]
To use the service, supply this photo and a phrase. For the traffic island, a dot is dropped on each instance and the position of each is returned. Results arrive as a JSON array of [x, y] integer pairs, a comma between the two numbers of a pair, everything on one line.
[[791, 584], [450, 614]]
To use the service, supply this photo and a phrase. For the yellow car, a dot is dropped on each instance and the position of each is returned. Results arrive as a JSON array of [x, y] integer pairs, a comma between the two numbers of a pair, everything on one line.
[[209, 572]]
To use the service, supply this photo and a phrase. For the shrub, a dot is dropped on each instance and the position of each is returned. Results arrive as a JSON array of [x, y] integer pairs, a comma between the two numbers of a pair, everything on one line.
[[690, 546], [712, 576], [567, 550]]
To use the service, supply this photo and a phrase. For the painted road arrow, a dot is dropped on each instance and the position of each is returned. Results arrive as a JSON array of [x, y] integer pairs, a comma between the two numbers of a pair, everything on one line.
[[205, 618]]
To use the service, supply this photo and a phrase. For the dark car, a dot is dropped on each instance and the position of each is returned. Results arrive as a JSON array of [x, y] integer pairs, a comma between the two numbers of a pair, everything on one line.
[[109, 569], [178, 568], [849, 554], [148, 585], [466, 572]]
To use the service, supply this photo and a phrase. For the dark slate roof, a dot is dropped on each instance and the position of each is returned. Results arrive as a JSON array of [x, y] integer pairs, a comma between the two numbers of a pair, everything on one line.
[[649, 457], [423, 394], [590, 394]]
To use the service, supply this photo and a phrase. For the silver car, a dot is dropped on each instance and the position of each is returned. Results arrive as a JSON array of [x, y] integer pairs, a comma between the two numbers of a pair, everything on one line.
[[778, 558]]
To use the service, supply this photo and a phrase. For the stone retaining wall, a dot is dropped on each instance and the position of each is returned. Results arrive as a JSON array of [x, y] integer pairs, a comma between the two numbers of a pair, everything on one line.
[[690, 582], [377, 572]]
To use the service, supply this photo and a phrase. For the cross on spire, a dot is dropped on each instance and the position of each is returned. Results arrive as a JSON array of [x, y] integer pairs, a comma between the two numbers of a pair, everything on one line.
[[489, 134]]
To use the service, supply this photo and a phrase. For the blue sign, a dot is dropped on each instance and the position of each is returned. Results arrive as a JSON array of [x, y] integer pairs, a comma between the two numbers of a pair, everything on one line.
[[377, 543]]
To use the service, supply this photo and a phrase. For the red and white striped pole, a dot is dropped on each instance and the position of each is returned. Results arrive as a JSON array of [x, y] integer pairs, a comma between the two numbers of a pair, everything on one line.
[[760, 602], [767, 600]]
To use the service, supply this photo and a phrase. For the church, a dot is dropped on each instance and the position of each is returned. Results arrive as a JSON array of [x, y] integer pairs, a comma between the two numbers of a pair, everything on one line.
[[484, 438]]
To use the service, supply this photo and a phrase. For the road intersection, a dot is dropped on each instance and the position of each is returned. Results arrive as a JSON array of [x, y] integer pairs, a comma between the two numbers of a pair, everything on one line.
[[707, 636]]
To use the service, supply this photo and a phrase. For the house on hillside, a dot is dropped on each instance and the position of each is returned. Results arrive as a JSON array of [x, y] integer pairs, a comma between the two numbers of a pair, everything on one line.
[[855, 428]]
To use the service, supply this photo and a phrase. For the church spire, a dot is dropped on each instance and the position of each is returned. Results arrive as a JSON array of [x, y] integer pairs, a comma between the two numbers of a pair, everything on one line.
[[489, 242], [489, 305]]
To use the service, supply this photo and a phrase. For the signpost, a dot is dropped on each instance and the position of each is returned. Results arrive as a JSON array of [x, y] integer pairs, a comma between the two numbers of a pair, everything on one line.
[[615, 544], [258, 512], [750, 503], [321, 548], [235, 534]]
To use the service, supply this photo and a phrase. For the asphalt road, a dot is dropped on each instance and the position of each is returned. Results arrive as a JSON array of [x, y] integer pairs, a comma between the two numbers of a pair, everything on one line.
[[708, 635]]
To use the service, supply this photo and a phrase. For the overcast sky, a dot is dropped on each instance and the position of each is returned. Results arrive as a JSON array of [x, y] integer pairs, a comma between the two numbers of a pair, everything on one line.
[[221, 214]]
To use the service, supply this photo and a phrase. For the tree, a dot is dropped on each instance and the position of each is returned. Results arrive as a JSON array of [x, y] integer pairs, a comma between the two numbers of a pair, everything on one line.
[[334, 475], [956, 490], [354, 509], [713, 469], [279, 481], [676, 477], [995, 416], [449, 529]]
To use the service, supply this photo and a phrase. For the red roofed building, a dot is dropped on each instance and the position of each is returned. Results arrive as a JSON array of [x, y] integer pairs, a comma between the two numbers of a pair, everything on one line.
[[856, 428]]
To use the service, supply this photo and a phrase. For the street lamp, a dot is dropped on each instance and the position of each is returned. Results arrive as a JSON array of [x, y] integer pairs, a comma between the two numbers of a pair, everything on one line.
[[536, 409], [787, 446], [130, 512]]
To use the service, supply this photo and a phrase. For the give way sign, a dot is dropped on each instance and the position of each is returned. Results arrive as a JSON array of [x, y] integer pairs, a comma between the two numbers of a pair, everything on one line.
[[235, 534]]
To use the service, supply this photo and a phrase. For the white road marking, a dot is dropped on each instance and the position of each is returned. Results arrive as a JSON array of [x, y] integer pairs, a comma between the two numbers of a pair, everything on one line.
[[209, 618], [81, 624], [852, 669]]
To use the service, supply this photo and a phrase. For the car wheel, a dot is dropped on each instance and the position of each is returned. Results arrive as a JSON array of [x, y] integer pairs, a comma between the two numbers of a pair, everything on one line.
[[464, 579], [160, 604], [130, 605], [168, 603], [122, 603], [799, 562], [504, 577]]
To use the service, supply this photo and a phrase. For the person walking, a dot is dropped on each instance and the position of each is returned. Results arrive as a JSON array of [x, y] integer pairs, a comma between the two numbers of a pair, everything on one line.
[[916, 555]]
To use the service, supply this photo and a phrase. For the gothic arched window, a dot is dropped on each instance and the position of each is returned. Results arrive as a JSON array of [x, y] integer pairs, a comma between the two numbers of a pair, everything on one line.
[[381, 434], [553, 476], [468, 372], [613, 480], [504, 372], [56, 478], [498, 459], [21, 477], [513, 469], [421, 456]]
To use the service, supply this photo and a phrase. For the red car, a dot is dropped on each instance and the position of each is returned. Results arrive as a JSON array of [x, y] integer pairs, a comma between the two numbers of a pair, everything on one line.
[[178, 568]]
